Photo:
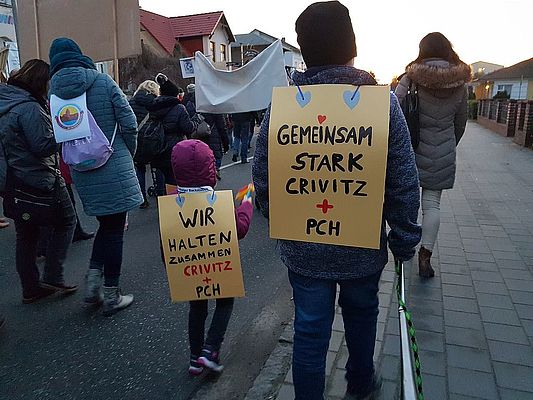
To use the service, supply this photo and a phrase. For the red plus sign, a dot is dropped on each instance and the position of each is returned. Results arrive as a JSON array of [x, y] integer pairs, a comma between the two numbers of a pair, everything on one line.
[[325, 206], [206, 280]]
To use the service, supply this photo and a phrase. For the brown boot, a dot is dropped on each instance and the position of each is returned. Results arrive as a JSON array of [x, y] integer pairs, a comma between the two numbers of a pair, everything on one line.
[[424, 263]]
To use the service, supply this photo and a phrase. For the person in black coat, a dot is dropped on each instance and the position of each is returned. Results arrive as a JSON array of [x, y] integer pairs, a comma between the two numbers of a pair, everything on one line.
[[218, 141], [143, 96], [176, 122]]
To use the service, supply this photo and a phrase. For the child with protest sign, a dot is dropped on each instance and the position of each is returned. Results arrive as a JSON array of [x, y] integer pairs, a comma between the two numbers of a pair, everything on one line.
[[194, 167]]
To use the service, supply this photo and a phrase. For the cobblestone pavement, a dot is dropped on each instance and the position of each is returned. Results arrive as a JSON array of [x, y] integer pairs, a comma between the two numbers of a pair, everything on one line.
[[474, 320]]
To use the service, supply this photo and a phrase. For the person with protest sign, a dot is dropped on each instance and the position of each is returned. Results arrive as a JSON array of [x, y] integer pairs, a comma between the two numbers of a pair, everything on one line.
[[316, 267], [32, 161], [74, 76], [440, 79], [194, 166], [177, 124]]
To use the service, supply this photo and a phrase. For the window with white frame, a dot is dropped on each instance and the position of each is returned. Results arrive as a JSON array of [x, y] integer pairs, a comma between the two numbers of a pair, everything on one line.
[[223, 52], [212, 51], [505, 88]]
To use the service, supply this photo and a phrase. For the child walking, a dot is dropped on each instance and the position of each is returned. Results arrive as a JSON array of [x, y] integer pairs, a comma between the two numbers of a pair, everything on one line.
[[193, 164]]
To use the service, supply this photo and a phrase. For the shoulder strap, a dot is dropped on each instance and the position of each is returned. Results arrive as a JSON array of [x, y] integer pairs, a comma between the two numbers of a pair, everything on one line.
[[144, 121], [114, 135]]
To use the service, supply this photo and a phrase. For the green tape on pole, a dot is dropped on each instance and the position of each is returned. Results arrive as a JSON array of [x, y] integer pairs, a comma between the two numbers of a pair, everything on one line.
[[412, 334]]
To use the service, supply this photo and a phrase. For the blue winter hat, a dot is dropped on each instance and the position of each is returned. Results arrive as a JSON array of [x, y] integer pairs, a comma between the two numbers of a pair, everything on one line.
[[65, 53]]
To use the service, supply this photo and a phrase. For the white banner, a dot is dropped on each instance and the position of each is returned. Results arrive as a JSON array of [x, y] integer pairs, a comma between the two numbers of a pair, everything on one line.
[[69, 118], [248, 88]]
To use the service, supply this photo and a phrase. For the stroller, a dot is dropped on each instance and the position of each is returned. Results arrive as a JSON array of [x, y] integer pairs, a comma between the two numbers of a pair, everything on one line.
[[158, 183]]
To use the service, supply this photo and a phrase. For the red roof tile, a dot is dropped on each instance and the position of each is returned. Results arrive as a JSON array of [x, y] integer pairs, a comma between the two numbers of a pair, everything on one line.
[[196, 25], [166, 30], [160, 28]]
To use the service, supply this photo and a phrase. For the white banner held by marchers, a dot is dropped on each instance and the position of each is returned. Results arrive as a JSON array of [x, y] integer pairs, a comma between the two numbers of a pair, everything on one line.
[[248, 88]]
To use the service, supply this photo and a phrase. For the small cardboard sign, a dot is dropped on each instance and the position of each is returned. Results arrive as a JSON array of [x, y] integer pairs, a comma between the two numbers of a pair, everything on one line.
[[70, 118], [200, 245], [327, 162], [187, 67]]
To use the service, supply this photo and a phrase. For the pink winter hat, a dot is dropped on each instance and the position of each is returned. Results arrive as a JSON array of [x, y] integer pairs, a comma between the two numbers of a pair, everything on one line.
[[193, 164]]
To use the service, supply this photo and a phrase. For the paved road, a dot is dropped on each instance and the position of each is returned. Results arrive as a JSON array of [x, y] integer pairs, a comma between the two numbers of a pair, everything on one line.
[[57, 349]]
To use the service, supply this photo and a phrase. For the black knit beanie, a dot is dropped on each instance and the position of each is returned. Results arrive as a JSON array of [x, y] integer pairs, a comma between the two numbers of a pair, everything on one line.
[[166, 87], [325, 34]]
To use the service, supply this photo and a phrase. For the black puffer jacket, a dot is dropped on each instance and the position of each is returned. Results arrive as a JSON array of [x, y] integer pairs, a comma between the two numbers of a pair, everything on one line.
[[176, 121], [28, 139], [139, 102], [218, 140]]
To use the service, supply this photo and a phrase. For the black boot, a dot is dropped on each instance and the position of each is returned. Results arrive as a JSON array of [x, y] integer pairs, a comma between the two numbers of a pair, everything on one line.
[[425, 270], [79, 233]]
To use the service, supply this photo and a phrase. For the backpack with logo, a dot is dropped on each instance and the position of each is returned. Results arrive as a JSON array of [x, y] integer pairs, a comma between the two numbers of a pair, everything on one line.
[[410, 105], [150, 140], [85, 147]]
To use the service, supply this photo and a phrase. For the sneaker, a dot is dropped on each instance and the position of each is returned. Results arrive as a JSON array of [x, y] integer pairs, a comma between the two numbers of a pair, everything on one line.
[[60, 287], [245, 161], [374, 391], [219, 177], [40, 293], [210, 358], [195, 368], [234, 158]]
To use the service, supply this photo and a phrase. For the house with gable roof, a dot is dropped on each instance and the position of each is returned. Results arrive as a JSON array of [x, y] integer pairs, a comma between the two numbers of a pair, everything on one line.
[[182, 36]]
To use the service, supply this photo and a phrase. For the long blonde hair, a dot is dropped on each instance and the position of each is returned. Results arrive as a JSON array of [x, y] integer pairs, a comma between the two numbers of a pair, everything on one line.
[[148, 86]]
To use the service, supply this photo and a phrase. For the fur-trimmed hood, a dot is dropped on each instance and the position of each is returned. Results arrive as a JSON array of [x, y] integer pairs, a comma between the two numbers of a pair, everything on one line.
[[439, 74]]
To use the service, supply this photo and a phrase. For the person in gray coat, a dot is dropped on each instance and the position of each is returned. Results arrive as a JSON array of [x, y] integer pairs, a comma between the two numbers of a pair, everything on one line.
[[31, 157], [441, 79], [112, 190]]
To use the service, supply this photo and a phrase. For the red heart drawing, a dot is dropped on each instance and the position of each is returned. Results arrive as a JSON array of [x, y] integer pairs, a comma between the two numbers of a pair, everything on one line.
[[321, 119]]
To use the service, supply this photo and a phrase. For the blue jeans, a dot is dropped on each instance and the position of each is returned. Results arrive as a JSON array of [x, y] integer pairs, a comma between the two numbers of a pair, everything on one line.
[[314, 301], [241, 138]]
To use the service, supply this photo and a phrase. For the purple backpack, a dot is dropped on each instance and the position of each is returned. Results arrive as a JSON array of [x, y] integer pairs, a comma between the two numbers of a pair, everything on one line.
[[89, 153]]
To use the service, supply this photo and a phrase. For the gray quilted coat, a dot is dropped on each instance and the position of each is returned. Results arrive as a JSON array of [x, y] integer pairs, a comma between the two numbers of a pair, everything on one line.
[[443, 114], [112, 188]]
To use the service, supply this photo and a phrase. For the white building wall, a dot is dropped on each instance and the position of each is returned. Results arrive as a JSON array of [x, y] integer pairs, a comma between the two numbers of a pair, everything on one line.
[[518, 89]]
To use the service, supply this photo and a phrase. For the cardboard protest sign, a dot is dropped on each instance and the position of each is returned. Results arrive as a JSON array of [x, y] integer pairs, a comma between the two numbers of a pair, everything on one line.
[[327, 162], [200, 245]]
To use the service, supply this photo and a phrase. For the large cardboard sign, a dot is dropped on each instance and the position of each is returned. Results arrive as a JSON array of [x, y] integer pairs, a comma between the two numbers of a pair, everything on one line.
[[327, 162], [104, 29], [200, 245]]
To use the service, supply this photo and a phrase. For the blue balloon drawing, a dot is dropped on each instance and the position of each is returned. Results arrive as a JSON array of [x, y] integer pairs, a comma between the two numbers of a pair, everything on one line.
[[211, 198], [352, 98], [180, 201], [303, 98]]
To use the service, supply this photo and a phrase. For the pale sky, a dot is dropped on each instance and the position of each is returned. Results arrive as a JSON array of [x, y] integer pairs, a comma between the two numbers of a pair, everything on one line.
[[387, 32]]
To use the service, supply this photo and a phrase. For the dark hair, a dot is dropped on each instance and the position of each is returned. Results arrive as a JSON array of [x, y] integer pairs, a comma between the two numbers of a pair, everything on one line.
[[34, 75], [436, 45]]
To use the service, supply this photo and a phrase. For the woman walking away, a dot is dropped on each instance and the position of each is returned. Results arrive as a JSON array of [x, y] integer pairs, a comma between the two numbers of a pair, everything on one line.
[[177, 125], [112, 190], [441, 78], [143, 96], [32, 167], [193, 163]]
